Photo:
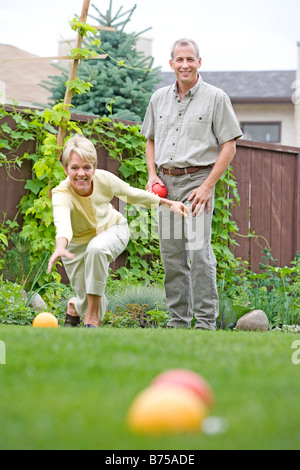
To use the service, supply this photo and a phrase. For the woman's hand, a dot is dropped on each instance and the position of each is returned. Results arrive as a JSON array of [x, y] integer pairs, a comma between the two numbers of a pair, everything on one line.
[[60, 252], [176, 206]]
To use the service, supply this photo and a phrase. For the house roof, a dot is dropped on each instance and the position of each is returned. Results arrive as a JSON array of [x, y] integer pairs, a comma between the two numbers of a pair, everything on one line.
[[247, 87], [22, 78]]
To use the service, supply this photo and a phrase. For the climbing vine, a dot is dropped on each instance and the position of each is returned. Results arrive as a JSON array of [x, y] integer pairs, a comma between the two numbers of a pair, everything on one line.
[[122, 142]]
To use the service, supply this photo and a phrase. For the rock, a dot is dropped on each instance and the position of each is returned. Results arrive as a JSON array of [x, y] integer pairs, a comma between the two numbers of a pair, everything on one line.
[[37, 302], [256, 320]]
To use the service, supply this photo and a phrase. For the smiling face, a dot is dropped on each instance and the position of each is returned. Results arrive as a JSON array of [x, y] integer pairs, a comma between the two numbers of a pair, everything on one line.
[[80, 175], [185, 65]]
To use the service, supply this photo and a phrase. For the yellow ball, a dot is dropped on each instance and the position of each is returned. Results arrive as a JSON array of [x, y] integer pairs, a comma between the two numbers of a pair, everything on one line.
[[166, 409], [45, 320]]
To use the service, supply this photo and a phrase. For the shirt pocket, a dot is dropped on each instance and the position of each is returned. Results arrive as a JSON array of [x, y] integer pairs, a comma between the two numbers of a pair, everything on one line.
[[162, 126], [199, 127]]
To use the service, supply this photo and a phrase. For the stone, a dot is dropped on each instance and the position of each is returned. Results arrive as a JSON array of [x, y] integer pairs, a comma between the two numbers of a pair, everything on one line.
[[36, 303], [256, 320]]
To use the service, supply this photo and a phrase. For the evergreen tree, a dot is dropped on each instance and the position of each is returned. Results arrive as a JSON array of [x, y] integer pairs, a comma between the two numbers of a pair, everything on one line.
[[128, 87]]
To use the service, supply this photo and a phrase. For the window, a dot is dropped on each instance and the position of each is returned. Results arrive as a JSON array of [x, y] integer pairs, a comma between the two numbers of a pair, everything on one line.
[[262, 131]]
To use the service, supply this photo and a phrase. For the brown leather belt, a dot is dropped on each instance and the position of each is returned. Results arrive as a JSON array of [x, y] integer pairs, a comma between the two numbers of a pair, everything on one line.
[[183, 171]]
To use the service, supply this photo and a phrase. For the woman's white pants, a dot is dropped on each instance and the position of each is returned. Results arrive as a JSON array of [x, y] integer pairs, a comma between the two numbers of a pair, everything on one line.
[[88, 271]]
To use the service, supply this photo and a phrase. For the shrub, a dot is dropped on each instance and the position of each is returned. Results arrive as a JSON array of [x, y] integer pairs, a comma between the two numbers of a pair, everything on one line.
[[140, 295], [15, 305], [136, 316], [275, 290], [13, 308]]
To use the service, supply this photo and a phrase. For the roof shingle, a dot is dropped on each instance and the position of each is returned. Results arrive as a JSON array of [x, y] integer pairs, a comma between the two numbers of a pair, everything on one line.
[[263, 86]]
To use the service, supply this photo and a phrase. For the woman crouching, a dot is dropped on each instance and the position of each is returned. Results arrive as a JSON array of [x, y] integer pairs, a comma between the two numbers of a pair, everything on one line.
[[90, 233]]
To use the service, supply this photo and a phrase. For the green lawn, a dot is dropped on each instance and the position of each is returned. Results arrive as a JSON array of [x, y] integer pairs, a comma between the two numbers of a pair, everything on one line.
[[71, 389]]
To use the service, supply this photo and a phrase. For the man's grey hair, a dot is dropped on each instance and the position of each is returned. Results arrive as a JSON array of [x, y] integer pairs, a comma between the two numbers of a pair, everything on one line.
[[185, 42]]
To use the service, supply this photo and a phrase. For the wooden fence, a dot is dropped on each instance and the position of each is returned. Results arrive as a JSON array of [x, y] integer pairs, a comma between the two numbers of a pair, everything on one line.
[[268, 179], [12, 182]]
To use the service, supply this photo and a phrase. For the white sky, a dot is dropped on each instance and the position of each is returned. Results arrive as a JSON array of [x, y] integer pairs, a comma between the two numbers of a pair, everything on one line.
[[232, 34]]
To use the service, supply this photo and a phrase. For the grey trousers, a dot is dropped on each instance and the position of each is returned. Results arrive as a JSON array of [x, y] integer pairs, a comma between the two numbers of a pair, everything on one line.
[[188, 258], [88, 271]]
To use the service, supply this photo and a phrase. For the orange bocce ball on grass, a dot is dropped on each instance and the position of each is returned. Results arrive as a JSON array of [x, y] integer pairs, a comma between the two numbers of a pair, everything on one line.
[[166, 409], [45, 320]]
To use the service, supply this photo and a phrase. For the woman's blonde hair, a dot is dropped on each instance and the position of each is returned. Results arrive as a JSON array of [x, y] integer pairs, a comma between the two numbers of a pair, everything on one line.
[[83, 147]]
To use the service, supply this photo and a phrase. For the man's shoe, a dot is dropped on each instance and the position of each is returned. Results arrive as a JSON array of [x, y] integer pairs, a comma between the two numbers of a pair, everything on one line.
[[88, 325], [72, 321]]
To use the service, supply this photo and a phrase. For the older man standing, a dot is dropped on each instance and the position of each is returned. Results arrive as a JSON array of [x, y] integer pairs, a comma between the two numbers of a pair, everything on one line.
[[191, 131]]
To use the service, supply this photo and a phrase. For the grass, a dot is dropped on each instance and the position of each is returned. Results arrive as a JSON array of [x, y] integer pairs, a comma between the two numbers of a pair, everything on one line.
[[71, 389]]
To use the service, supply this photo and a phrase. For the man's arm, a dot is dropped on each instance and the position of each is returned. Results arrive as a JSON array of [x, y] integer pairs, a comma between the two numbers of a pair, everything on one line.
[[201, 196], [152, 171]]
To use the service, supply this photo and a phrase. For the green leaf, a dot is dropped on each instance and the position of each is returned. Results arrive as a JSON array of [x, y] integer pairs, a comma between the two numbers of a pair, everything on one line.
[[5, 144], [3, 239], [82, 28], [5, 127], [34, 186], [21, 121], [126, 170], [79, 86]]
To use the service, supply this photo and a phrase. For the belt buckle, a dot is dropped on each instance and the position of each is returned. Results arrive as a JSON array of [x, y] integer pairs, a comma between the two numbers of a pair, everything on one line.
[[169, 171]]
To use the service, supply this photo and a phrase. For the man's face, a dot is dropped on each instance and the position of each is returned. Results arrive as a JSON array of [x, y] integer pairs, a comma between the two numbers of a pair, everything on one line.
[[185, 65]]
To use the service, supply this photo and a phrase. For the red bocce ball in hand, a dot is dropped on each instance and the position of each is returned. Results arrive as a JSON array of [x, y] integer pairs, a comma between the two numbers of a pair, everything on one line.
[[160, 190]]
